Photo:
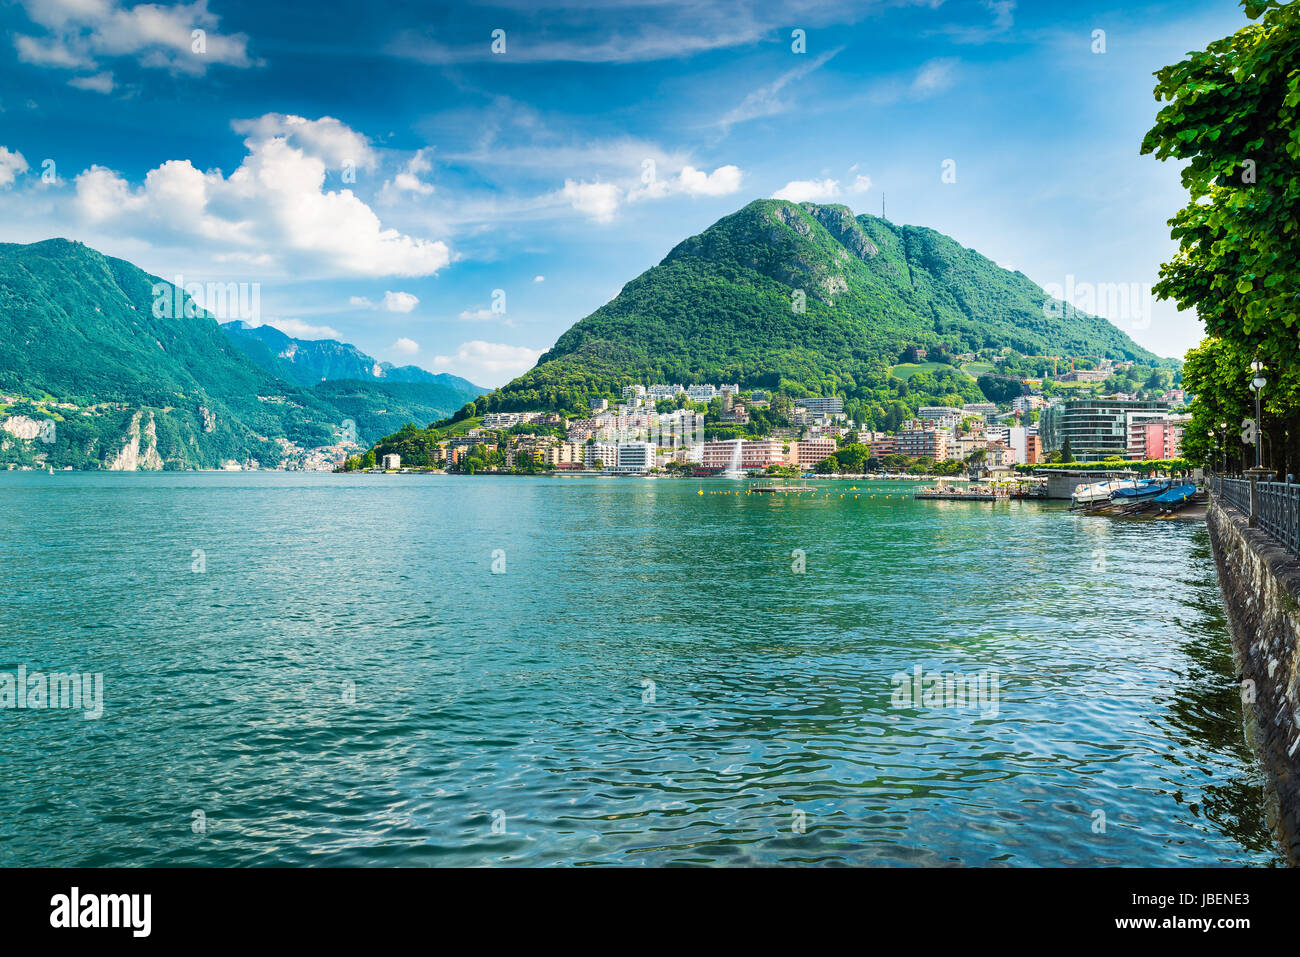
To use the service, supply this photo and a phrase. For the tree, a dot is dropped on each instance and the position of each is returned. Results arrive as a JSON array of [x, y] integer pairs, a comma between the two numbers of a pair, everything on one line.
[[1231, 116], [1067, 453]]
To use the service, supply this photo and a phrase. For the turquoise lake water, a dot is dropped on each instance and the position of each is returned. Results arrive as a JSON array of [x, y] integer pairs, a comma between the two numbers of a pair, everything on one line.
[[311, 669]]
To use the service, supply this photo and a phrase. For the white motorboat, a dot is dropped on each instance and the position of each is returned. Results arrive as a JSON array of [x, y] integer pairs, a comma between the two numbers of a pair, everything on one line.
[[1100, 491]]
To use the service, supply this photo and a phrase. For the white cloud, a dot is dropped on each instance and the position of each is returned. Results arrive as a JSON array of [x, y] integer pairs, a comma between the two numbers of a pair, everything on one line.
[[488, 363], [405, 346], [539, 279], [11, 164], [81, 32], [860, 184], [302, 330], [361, 301], [808, 190], [934, 76], [271, 212], [327, 139], [599, 201], [765, 100], [99, 83], [478, 315], [408, 180], [721, 182], [400, 302]]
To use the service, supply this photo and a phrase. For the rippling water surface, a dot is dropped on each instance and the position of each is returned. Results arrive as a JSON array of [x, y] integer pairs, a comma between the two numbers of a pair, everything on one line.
[[345, 680]]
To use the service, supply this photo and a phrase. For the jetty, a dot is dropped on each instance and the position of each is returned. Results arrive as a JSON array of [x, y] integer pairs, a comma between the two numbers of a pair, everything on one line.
[[990, 492]]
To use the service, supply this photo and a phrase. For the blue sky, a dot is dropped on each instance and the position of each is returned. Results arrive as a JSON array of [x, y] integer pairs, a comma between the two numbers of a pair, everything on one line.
[[381, 172]]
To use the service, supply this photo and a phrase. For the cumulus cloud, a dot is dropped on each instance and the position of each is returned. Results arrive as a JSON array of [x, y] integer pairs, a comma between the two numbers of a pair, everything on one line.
[[478, 315], [539, 279], [302, 330], [488, 363], [327, 139], [361, 301], [405, 346], [408, 181], [808, 190], [598, 201], [820, 190], [272, 212], [721, 182], [11, 164], [400, 301], [182, 38]]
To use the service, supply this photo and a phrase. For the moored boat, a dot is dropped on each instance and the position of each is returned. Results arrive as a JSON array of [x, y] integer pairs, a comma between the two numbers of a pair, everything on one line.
[[1140, 492], [1176, 495], [1100, 491]]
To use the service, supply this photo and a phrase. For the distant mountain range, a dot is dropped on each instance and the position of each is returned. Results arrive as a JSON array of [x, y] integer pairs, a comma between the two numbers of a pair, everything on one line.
[[81, 348], [810, 298], [309, 361]]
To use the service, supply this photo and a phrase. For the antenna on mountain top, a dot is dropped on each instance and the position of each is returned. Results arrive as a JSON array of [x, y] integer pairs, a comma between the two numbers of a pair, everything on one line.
[[882, 205]]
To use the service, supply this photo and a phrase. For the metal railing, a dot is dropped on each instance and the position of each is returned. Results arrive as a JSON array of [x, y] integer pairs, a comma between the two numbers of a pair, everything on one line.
[[1234, 491], [1275, 510], [1279, 513]]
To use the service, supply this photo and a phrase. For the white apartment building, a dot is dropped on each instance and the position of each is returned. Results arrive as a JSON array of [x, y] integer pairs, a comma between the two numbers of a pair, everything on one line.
[[701, 393], [606, 453], [635, 458]]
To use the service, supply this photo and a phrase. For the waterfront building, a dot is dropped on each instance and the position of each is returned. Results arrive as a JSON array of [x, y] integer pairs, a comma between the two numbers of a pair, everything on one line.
[[886, 445], [606, 453], [391, 461], [811, 452], [999, 456], [928, 442], [754, 453], [1033, 449], [634, 458], [1156, 437], [1097, 428], [562, 453]]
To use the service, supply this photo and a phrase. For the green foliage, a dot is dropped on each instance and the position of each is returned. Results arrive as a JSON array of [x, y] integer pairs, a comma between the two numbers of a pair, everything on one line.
[[79, 327], [1231, 118]]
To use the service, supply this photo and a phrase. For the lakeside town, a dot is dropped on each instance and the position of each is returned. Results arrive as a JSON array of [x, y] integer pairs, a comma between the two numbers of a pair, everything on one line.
[[706, 429]]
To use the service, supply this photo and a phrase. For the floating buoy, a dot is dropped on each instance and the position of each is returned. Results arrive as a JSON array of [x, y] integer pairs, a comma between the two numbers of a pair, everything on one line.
[[700, 492]]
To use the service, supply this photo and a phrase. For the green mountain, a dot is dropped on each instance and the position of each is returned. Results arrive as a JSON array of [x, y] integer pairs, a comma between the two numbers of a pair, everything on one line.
[[90, 377], [809, 299]]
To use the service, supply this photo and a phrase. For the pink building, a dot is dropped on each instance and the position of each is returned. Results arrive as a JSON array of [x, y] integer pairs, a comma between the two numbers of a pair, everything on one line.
[[809, 452], [754, 453]]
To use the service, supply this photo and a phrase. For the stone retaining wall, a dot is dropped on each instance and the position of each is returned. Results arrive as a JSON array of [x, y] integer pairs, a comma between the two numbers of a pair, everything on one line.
[[1261, 588]]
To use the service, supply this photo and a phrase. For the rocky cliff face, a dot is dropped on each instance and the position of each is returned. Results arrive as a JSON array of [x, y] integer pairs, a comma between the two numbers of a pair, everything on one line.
[[139, 451]]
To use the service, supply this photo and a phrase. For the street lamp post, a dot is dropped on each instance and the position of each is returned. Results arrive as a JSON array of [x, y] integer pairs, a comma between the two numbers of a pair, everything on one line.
[[1257, 384]]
